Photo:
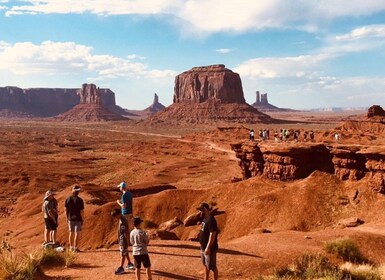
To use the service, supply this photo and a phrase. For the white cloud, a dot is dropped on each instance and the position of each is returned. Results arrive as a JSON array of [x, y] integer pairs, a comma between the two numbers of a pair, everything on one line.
[[208, 16], [370, 31], [68, 58], [223, 51], [280, 67]]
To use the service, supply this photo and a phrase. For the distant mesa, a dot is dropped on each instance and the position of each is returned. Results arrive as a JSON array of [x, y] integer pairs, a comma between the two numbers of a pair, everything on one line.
[[375, 111], [209, 93], [16, 102], [263, 105], [90, 107]]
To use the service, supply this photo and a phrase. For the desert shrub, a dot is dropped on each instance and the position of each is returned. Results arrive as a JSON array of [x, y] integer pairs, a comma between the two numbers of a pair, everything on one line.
[[25, 267], [361, 272], [346, 249], [309, 266]]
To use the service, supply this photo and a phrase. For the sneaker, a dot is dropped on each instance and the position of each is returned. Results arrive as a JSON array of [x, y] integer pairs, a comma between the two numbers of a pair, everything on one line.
[[120, 270], [130, 266], [75, 249]]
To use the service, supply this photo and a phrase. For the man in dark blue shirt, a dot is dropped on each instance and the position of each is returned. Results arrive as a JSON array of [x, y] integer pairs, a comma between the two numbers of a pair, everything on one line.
[[208, 241]]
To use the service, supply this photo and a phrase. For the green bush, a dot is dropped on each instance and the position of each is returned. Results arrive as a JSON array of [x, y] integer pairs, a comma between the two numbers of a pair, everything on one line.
[[346, 249]]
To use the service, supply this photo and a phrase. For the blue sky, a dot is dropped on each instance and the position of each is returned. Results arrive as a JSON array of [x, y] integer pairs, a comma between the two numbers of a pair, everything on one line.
[[304, 53]]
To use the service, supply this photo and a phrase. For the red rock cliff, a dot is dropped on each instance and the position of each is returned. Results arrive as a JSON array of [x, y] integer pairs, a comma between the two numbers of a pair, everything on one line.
[[213, 82]]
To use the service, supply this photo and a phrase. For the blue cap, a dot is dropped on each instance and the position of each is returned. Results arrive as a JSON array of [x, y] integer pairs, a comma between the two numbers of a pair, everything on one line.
[[122, 185]]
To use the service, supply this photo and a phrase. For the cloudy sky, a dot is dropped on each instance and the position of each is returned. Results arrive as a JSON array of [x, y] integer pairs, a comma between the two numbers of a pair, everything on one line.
[[303, 53]]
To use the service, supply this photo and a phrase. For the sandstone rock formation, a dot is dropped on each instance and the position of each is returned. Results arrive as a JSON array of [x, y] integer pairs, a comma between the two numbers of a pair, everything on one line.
[[90, 107], [155, 107], [263, 105], [375, 110], [209, 82], [289, 161], [209, 93], [47, 102]]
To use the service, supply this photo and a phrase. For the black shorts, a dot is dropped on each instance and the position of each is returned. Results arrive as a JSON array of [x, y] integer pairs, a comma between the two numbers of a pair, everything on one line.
[[50, 224], [139, 259]]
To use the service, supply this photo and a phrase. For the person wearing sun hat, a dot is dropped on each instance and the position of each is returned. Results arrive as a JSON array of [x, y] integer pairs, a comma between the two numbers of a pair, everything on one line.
[[49, 209], [74, 214]]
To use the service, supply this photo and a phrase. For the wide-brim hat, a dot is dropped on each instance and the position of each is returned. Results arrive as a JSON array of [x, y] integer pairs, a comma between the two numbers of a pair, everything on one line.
[[48, 194]]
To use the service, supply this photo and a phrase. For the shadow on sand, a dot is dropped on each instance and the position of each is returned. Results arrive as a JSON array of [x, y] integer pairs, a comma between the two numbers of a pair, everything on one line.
[[173, 276], [197, 247]]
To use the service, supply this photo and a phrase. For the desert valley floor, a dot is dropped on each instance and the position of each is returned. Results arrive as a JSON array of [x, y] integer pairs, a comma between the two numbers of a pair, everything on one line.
[[264, 224]]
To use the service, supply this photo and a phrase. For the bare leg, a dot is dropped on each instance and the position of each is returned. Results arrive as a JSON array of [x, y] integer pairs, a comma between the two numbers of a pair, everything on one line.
[[148, 273], [76, 239], [206, 272], [137, 273], [122, 261], [46, 235], [215, 273], [70, 239], [53, 236]]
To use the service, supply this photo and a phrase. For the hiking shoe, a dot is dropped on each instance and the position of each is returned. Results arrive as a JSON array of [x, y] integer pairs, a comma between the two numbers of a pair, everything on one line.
[[120, 270], [130, 266]]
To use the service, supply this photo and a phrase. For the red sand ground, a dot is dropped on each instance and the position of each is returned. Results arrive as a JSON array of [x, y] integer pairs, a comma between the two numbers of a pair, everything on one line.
[[169, 176]]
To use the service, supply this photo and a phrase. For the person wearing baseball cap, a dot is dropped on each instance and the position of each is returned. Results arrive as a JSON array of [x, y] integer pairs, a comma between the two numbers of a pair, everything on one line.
[[208, 239], [74, 214]]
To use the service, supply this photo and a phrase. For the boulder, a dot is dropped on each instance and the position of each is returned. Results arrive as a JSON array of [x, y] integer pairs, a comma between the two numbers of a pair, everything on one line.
[[170, 225]]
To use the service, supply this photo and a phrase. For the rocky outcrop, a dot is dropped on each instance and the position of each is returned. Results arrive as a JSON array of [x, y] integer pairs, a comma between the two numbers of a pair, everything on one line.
[[213, 82], [375, 110], [209, 94], [289, 161], [155, 107], [90, 107], [48, 102], [263, 105]]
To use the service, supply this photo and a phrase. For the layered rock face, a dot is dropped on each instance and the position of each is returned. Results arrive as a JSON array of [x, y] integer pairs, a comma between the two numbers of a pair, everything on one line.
[[208, 82], [296, 161], [90, 107], [209, 94], [48, 102]]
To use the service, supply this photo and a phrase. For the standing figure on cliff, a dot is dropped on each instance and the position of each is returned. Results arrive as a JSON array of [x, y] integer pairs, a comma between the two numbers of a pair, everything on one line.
[[304, 136], [311, 134], [74, 214], [251, 135], [208, 239], [49, 209]]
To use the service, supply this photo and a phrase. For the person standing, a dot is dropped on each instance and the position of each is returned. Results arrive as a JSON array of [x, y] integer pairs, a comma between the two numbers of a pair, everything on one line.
[[139, 240], [74, 214], [208, 239], [125, 203], [49, 209], [123, 237]]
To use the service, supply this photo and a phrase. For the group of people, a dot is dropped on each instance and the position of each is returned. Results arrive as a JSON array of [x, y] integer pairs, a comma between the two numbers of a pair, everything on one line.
[[74, 206], [136, 237], [282, 135]]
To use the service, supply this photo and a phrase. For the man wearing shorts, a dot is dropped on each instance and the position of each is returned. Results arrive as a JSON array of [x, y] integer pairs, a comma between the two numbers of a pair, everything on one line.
[[208, 241], [74, 214], [123, 236], [139, 240]]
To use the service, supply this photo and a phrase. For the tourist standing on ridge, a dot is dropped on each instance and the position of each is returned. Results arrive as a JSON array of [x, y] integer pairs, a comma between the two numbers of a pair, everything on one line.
[[123, 237], [208, 239], [74, 214], [49, 209], [125, 203], [251, 135]]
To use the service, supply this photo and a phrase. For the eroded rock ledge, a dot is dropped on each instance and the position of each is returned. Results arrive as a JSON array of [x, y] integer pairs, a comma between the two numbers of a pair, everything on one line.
[[290, 161]]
